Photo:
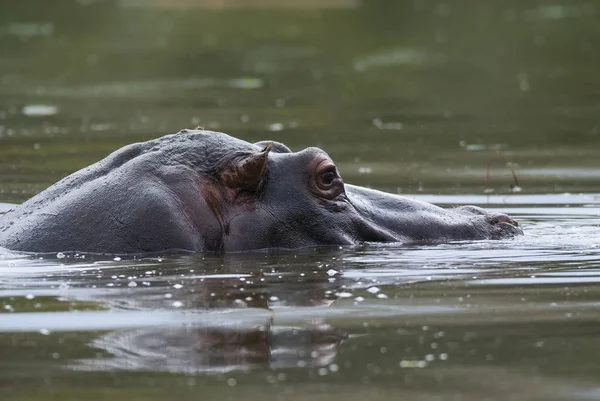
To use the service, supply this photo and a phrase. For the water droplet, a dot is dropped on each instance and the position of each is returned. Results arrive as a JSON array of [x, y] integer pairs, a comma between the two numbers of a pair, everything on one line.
[[275, 127], [373, 290], [39, 110]]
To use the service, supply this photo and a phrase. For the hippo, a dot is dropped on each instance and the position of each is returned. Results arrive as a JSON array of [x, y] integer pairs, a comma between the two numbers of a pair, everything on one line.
[[205, 191]]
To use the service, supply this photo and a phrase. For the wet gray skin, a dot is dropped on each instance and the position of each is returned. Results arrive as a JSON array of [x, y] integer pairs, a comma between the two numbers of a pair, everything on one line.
[[207, 191]]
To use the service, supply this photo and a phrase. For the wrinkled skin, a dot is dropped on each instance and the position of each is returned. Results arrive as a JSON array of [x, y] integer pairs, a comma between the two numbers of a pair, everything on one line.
[[207, 191]]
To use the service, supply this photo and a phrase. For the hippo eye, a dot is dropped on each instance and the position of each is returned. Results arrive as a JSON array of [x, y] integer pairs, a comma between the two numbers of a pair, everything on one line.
[[326, 181], [327, 177]]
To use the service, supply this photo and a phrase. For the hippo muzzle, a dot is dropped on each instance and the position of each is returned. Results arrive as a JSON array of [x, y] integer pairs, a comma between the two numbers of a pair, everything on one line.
[[393, 218]]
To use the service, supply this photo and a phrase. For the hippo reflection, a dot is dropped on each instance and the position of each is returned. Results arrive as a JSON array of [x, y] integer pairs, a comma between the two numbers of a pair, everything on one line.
[[202, 350], [206, 191]]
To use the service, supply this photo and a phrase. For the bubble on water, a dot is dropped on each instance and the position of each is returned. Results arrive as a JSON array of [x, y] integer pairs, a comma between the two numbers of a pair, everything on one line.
[[44, 332], [334, 368], [39, 110], [359, 299], [231, 382], [429, 357], [412, 364], [177, 304], [344, 294], [178, 286], [275, 127], [443, 356], [373, 290], [382, 296], [117, 259], [323, 371], [274, 298], [332, 272], [168, 295], [29, 296], [60, 255], [132, 284]]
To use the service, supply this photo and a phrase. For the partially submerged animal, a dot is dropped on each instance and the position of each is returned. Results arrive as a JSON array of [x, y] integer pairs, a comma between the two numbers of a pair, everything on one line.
[[207, 191]]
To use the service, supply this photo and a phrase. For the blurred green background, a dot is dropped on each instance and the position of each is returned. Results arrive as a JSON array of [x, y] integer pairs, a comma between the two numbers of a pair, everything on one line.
[[408, 96]]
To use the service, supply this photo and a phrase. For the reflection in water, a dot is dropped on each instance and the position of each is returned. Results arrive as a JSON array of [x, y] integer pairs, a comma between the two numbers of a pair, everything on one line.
[[221, 347], [195, 350]]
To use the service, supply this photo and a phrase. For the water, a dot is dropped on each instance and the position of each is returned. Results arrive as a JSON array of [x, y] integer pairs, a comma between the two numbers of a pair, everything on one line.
[[441, 101]]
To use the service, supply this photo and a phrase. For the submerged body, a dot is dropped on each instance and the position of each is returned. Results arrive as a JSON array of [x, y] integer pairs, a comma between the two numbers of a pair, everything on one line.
[[207, 191]]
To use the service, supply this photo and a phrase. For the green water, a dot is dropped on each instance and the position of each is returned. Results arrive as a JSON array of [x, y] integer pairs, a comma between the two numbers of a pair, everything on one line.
[[445, 101]]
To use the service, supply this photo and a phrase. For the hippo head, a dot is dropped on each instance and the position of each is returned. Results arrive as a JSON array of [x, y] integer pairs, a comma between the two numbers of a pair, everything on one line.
[[284, 199], [207, 191]]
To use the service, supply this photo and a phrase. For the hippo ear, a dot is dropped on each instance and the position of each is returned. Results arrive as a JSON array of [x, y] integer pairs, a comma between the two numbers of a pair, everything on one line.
[[248, 173]]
